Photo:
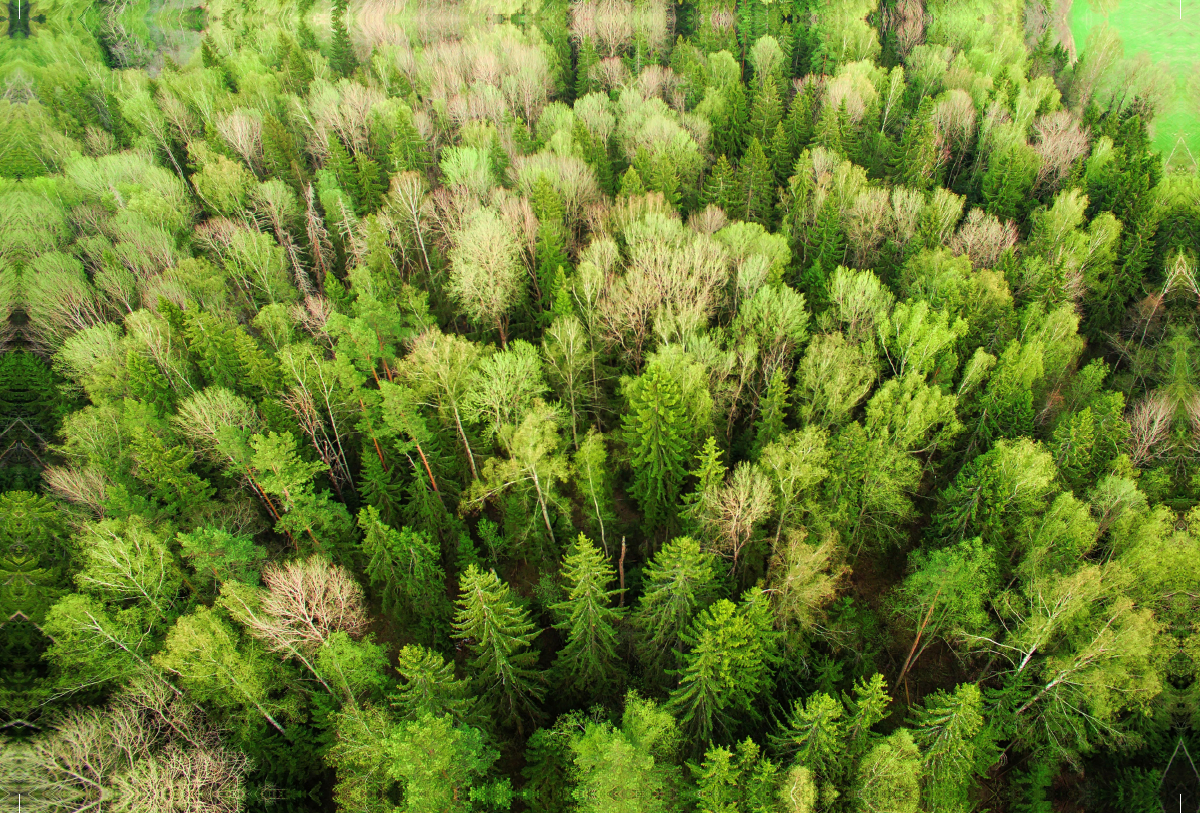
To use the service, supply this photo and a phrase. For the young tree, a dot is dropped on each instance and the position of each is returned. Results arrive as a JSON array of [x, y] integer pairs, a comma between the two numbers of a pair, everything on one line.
[[889, 777], [589, 660], [499, 633], [593, 479]]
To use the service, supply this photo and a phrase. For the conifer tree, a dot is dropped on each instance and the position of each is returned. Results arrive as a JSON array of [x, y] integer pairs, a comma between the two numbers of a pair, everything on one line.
[[731, 651], [918, 164], [678, 583], [212, 342], [655, 435], [758, 187], [781, 155], [280, 155], [774, 412], [799, 122], [428, 686], [164, 469], [721, 188], [589, 661], [341, 55], [1008, 183], [766, 112], [147, 383], [499, 632], [377, 487], [631, 184], [950, 731], [586, 61], [405, 568], [370, 183]]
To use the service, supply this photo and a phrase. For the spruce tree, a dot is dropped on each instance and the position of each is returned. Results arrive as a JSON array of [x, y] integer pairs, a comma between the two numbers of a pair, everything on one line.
[[499, 633], [631, 184], [405, 569], [758, 187], [955, 745], [799, 122], [213, 344], [147, 383], [766, 112], [589, 661], [341, 53], [586, 60], [680, 581], [655, 435], [721, 188], [377, 486], [428, 686], [918, 162], [731, 652], [371, 183], [770, 424]]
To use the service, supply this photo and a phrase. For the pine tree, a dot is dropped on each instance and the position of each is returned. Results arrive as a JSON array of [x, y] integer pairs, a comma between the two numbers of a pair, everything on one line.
[[405, 569], [758, 188], [655, 435], [499, 632], [589, 661]]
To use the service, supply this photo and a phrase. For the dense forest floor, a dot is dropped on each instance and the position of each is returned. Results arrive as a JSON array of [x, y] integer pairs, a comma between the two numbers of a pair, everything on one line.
[[770, 406]]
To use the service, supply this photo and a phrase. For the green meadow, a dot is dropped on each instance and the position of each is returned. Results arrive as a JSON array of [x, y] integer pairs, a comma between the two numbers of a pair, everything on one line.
[[1166, 32]]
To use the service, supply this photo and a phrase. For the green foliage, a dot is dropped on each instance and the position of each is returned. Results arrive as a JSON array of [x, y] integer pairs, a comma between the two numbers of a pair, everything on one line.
[[727, 665], [588, 661], [656, 439], [499, 633]]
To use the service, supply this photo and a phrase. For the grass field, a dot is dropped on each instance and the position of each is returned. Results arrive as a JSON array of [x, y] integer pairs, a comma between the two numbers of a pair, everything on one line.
[[1167, 33]]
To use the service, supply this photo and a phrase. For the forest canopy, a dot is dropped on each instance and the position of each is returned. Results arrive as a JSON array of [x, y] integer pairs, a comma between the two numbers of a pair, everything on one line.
[[731, 406]]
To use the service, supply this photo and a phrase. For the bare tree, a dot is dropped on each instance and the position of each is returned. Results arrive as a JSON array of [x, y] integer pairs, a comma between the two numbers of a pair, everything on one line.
[[983, 238], [1150, 426], [305, 603]]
